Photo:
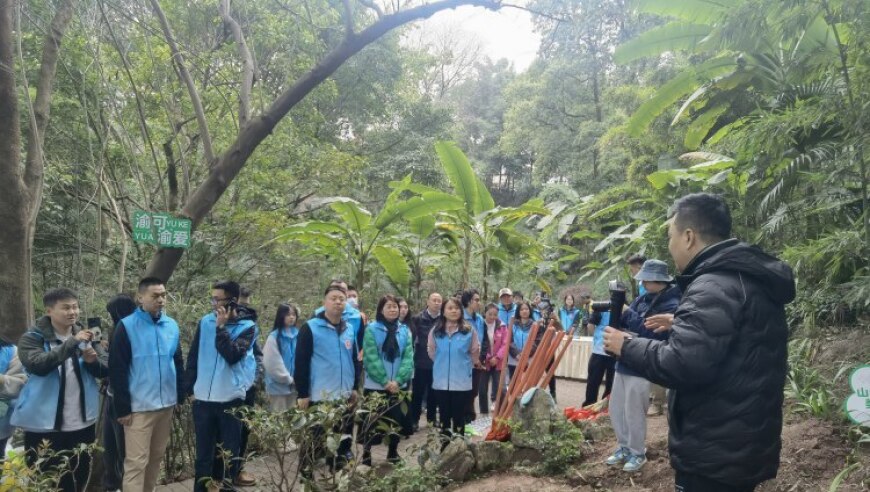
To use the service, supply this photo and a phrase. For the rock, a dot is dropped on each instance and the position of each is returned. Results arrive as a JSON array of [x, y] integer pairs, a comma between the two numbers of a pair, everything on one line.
[[592, 430], [492, 455], [535, 418], [456, 460], [530, 456]]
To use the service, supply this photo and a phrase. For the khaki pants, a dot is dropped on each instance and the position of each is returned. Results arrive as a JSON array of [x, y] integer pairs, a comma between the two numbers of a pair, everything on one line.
[[145, 439]]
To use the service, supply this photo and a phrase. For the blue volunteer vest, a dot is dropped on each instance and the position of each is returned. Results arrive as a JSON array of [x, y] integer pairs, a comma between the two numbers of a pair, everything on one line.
[[478, 323], [519, 337], [452, 366], [36, 408], [152, 369], [7, 352], [506, 315], [216, 380], [332, 361], [598, 335], [379, 331], [568, 317], [285, 338]]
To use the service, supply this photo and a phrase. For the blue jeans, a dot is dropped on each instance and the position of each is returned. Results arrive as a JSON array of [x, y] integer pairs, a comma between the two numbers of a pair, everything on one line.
[[215, 427]]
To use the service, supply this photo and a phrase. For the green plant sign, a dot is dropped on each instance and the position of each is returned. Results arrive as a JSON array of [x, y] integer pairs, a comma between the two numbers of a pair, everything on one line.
[[161, 229], [858, 403]]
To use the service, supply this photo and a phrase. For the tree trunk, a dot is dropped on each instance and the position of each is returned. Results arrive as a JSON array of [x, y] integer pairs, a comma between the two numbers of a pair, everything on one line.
[[230, 163], [21, 187]]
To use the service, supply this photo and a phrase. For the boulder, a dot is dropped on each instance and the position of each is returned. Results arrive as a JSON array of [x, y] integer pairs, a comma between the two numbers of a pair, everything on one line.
[[535, 413], [492, 455], [456, 461]]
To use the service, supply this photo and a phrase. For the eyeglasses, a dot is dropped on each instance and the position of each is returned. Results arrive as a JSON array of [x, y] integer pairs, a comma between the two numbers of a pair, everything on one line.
[[216, 300]]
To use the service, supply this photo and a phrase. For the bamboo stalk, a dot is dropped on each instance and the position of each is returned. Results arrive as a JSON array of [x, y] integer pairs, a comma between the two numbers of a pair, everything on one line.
[[524, 358], [501, 377], [534, 371], [551, 373]]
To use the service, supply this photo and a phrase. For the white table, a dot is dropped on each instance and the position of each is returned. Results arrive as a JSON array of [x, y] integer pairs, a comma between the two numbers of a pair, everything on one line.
[[576, 359]]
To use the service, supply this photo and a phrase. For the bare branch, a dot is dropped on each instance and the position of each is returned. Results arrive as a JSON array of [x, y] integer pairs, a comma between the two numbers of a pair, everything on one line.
[[247, 62], [178, 58]]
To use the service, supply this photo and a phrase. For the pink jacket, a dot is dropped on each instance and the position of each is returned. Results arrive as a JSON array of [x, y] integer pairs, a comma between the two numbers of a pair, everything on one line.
[[498, 345]]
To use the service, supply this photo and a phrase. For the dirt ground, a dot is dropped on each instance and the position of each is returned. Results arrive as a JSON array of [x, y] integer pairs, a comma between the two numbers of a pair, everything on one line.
[[813, 453]]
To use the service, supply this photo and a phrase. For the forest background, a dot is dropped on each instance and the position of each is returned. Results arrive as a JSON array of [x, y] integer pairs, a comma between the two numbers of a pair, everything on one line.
[[313, 139]]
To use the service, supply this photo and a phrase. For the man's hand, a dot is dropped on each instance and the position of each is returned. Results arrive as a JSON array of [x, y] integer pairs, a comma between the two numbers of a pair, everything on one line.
[[84, 336], [125, 420], [613, 340], [392, 387], [302, 403], [89, 355], [659, 322], [223, 316]]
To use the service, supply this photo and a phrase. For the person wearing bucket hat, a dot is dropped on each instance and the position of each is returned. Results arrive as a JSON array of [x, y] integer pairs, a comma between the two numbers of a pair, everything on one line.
[[629, 398]]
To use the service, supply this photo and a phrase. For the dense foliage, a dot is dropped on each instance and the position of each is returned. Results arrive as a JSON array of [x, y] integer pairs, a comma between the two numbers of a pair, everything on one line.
[[557, 172]]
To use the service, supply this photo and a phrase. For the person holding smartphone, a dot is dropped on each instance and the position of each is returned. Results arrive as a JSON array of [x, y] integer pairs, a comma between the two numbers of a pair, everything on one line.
[[220, 370], [60, 400]]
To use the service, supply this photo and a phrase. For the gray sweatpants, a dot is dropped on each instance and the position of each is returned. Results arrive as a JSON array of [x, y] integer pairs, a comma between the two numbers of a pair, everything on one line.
[[629, 401]]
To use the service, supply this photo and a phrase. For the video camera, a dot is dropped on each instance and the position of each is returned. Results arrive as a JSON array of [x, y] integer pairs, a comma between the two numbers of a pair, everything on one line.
[[617, 300]]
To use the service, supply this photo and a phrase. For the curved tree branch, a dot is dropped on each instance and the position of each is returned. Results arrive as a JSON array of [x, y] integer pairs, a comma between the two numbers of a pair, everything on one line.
[[178, 58], [247, 62], [233, 160]]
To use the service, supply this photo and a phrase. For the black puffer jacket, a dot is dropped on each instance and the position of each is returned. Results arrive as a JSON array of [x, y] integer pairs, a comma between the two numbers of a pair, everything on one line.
[[726, 361]]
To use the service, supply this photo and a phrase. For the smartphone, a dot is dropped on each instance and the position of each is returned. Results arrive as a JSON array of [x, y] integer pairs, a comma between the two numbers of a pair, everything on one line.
[[94, 322]]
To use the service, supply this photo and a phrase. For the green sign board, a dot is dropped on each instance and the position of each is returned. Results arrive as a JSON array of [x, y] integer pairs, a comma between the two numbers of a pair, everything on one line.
[[161, 229], [858, 403]]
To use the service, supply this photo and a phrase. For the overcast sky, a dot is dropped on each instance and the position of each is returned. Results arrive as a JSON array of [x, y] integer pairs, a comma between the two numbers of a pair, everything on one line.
[[506, 33]]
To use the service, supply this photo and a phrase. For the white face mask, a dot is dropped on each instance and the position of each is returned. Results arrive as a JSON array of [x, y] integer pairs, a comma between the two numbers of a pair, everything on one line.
[[353, 302]]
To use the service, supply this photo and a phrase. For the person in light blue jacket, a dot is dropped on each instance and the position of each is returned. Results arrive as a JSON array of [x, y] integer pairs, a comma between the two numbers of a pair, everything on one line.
[[220, 370], [279, 359], [60, 401], [145, 375], [12, 379], [455, 351]]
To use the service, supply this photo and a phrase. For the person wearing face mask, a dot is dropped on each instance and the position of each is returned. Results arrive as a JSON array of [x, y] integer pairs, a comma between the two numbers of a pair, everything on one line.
[[146, 377], [389, 364], [454, 350], [60, 400], [279, 359]]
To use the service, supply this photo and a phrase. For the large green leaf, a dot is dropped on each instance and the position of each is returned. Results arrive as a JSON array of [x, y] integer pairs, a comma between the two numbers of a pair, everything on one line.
[[422, 226], [356, 217], [394, 264], [426, 204], [675, 36], [484, 198], [459, 172], [700, 127], [678, 87]]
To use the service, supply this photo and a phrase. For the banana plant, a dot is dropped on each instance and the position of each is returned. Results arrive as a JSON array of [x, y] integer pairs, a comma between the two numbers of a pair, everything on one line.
[[483, 230], [356, 236]]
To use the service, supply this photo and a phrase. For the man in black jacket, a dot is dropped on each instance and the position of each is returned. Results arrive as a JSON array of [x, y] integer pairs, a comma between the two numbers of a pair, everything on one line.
[[421, 325], [725, 361]]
